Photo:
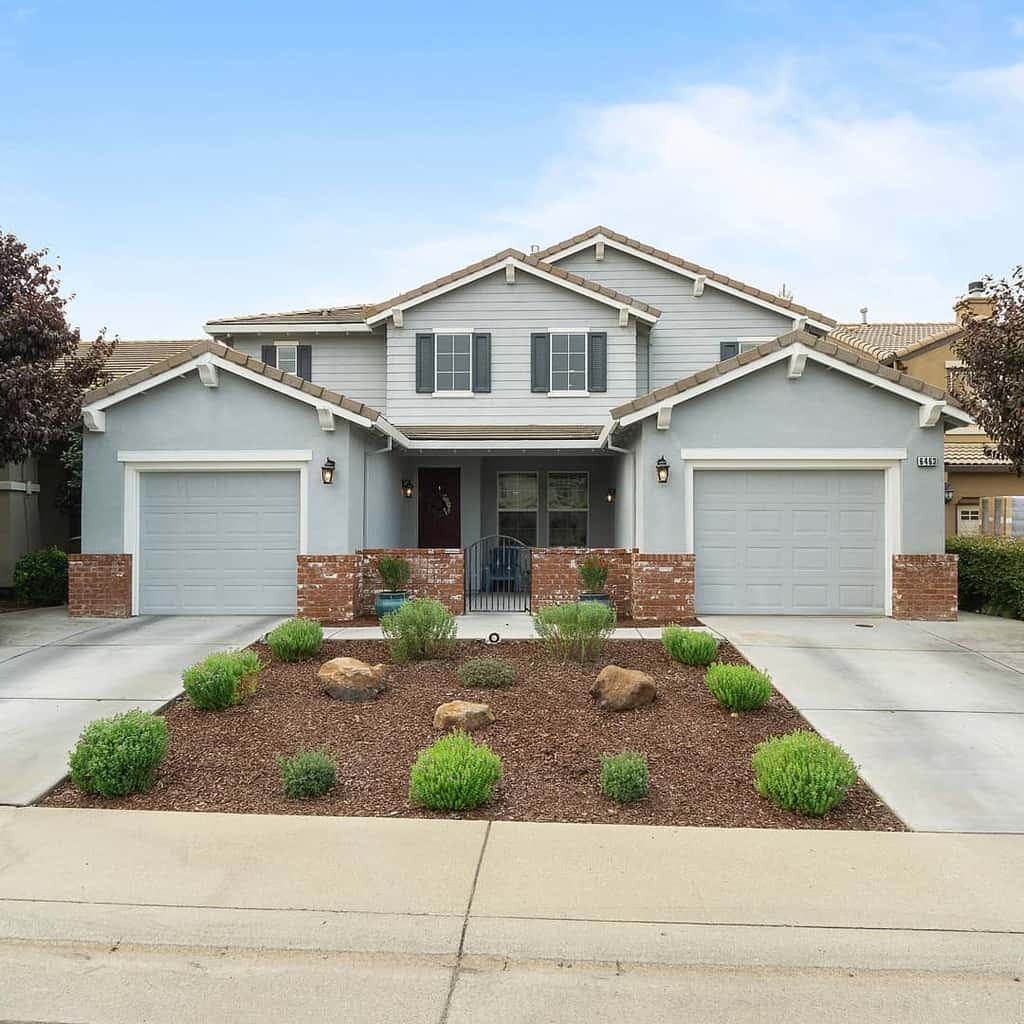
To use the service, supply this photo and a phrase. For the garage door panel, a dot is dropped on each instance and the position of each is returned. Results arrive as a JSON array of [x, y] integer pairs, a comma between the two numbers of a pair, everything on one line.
[[218, 542], [811, 541]]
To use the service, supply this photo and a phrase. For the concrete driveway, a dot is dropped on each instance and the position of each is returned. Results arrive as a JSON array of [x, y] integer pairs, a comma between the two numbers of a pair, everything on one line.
[[933, 712], [57, 674]]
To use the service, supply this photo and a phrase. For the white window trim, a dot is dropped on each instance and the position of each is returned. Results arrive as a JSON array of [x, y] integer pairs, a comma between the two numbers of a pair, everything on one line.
[[754, 340], [137, 463], [889, 460], [497, 499], [277, 357], [437, 392], [547, 502], [585, 331]]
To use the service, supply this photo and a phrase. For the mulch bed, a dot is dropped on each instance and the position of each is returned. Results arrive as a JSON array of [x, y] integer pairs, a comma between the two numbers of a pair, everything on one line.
[[549, 735]]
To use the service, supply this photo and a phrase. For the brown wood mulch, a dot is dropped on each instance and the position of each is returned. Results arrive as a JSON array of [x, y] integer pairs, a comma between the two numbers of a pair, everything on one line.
[[548, 733]]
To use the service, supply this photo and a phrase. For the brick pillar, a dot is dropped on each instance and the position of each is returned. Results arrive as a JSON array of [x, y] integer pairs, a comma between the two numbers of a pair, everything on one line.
[[100, 586], [663, 587], [328, 587], [439, 573], [924, 587]]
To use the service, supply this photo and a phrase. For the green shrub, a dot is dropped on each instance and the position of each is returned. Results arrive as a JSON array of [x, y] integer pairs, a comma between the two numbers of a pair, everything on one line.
[[395, 572], [690, 646], [221, 679], [991, 574], [491, 672], [624, 777], [41, 577], [738, 687], [802, 772], [421, 628], [120, 755], [593, 574], [454, 774], [295, 639], [307, 773], [575, 631]]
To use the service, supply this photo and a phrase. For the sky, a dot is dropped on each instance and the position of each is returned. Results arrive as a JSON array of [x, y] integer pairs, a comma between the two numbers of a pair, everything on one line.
[[192, 160]]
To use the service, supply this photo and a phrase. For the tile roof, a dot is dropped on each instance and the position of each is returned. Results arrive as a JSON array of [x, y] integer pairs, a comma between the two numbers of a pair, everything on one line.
[[822, 345], [502, 432], [693, 268], [496, 260], [129, 356], [886, 340], [973, 453], [322, 314]]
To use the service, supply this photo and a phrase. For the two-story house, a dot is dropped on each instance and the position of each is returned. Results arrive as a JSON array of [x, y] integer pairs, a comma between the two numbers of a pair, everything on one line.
[[494, 425]]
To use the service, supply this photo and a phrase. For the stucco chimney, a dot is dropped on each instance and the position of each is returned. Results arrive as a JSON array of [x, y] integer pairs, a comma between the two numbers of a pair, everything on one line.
[[976, 303]]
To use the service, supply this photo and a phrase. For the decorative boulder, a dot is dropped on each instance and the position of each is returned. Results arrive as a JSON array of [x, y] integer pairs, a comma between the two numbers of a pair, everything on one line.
[[462, 714], [352, 680], [620, 689]]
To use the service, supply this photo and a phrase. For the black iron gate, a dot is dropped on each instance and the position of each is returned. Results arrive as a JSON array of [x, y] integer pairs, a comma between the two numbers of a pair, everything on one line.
[[498, 575]]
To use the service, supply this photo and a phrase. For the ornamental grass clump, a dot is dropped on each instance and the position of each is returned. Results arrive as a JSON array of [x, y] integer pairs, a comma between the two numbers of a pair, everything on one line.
[[421, 629], [307, 773], [295, 639], [802, 772], [489, 672], [395, 572], [624, 777], [575, 631], [221, 680], [689, 646], [738, 687], [593, 574], [454, 774], [120, 755]]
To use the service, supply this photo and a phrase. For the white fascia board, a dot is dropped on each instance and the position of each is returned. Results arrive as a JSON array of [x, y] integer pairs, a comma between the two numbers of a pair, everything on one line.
[[286, 327], [708, 282], [791, 455], [524, 445], [232, 455], [526, 268]]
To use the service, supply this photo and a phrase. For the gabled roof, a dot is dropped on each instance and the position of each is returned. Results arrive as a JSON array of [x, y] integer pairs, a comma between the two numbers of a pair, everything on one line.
[[713, 277], [129, 356], [518, 260], [883, 341], [772, 351], [320, 315]]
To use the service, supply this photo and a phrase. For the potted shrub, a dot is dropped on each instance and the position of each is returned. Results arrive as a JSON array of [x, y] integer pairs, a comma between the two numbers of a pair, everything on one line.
[[594, 576], [395, 573]]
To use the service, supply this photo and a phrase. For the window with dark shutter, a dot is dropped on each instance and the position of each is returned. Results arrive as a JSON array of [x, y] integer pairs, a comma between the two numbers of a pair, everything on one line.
[[304, 362], [425, 364], [481, 363], [540, 362], [597, 361], [728, 349], [268, 353]]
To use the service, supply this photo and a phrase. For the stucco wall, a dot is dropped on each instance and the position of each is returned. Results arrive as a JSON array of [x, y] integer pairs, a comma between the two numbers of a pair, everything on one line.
[[967, 486]]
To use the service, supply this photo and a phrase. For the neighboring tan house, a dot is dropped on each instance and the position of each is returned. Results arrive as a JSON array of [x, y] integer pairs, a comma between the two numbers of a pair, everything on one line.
[[924, 351], [494, 426]]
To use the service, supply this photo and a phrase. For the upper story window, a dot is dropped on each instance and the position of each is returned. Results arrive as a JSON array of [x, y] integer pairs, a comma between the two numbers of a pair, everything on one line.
[[288, 358], [568, 362], [454, 362], [728, 349], [297, 359]]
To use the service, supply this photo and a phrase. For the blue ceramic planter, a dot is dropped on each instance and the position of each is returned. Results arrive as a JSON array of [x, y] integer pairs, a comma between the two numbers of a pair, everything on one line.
[[388, 601]]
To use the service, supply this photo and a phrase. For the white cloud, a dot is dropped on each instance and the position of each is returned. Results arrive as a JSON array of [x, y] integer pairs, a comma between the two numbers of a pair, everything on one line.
[[1002, 84]]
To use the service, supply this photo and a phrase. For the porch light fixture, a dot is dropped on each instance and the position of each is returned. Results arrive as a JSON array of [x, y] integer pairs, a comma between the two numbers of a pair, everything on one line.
[[327, 471], [407, 489], [610, 497], [947, 492], [661, 466]]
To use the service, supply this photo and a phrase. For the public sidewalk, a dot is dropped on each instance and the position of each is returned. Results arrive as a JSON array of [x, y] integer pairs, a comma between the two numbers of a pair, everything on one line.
[[131, 915]]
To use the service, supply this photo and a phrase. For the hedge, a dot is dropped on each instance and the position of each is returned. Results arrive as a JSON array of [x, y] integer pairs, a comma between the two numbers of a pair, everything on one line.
[[991, 573]]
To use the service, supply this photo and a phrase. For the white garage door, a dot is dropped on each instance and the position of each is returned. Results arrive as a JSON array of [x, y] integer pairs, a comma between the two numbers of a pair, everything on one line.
[[780, 541], [218, 543]]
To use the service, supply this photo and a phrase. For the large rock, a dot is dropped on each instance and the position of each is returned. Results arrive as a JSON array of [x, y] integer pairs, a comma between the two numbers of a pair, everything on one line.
[[352, 680], [462, 714], [620, 689]]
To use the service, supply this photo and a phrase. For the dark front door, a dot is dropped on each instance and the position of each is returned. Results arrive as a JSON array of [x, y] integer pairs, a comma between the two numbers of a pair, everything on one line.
[[440, 509]]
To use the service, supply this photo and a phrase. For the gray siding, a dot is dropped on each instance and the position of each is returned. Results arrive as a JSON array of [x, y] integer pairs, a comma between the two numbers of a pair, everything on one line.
[[509, 313], [353, 364], [687, 336]]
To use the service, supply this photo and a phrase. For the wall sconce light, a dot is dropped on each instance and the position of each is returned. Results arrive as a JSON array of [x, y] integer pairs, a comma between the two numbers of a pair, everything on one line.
[[407, 489], [327, 471], [662, 469], [610, 498], [947, 492]]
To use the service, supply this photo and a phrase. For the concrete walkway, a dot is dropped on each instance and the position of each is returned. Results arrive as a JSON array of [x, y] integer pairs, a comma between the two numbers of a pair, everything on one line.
[[57, 674], [933, 712], [131, 916]]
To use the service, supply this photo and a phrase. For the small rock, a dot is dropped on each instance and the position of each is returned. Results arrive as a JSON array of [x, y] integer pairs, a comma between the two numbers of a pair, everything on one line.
[[462, 714], [352, 680], [620, 689]]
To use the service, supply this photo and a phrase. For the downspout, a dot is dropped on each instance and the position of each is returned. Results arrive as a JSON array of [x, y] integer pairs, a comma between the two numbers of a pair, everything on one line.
[[626, 451], [366, 456]]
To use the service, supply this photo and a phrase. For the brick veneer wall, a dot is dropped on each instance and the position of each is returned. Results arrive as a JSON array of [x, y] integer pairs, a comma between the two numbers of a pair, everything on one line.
[[328, 587], [663, 587], [100, 586], [924, 587], [435, 572], [555, 576]]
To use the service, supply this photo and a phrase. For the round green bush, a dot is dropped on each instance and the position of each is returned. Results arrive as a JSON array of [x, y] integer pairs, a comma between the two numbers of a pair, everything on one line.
[[624, 777], [490, 672], [295, 639], [454, 774], [41, 577], [689, 646], [738, 687], [422, 628], [221, 680], [307, 773], [120, 755], [802, 772]]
